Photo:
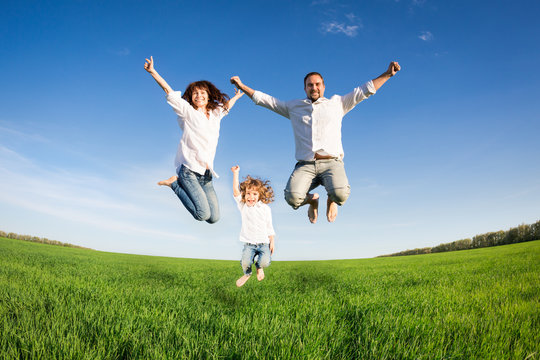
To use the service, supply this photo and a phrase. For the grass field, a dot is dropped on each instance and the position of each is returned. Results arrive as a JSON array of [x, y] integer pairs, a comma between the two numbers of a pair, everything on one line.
[[67, 303]]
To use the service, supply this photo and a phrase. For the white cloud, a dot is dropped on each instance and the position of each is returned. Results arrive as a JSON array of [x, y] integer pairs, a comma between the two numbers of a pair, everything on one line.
[[351, 17], [336, 28], [426, 36]]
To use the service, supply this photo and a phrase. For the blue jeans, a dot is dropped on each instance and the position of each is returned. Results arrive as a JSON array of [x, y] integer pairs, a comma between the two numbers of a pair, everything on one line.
[[197, 194], [261, 251], [307, 175]]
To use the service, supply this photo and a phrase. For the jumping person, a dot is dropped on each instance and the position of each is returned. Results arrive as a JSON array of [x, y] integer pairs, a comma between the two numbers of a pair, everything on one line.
[[316, 123], [257, 233], [200, 110]]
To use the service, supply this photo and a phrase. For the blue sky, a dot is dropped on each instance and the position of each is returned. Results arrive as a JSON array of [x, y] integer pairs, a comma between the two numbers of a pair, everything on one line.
[[447, 149]]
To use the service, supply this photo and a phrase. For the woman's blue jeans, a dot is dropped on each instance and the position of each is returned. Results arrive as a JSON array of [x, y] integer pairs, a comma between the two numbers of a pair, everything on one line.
[[197, 194]]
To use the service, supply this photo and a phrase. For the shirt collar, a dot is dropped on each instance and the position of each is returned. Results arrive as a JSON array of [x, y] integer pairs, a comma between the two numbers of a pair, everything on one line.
[[319, 100]]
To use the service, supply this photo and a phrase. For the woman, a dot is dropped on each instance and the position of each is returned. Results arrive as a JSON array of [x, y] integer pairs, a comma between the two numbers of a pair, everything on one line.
[[200, 110]]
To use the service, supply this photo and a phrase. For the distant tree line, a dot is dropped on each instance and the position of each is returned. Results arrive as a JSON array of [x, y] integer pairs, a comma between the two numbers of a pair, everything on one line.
[[514, 235], [37, 239]]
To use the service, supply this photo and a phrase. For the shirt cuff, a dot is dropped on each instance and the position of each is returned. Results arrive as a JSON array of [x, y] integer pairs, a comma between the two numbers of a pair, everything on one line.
[[368, 88]]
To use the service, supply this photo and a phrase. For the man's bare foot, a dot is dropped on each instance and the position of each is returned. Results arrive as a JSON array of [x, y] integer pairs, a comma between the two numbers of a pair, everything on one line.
[[331, 210], [169, 181], [313, 210], [240, 282], [260, 274]]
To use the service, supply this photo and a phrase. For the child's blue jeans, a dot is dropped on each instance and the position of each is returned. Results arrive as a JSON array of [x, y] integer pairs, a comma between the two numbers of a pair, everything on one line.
[[197, 194], [252, 251]]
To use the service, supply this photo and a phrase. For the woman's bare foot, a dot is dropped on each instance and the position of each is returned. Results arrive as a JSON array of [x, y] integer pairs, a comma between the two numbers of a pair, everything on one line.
[[169, 181], [313, 209], [240, 282], [331, 210], [260, 274]]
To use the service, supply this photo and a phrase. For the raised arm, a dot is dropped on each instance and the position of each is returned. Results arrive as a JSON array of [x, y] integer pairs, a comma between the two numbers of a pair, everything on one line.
[[235, 80], [393, 68], [236, 183], [238, 94], [149, 66]]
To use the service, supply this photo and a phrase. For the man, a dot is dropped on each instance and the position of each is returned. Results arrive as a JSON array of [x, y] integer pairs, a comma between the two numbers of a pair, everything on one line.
[[316, 123]]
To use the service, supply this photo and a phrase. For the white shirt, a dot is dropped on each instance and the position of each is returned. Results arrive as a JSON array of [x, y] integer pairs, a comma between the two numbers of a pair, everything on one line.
[[197, 147], [256, 222], [316, 125]]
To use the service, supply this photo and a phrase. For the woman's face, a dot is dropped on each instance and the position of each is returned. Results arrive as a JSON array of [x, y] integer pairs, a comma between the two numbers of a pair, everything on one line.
[[200, 98]]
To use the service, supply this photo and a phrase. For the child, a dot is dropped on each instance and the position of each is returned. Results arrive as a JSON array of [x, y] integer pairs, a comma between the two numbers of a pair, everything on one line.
[[200, 110], [252, 197]]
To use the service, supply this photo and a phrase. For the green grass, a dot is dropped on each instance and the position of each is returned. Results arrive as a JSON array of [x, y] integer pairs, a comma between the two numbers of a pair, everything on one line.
[[70, 303]]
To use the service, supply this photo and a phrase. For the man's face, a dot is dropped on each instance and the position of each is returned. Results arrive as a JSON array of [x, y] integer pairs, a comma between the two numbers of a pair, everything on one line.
[[314, 87]]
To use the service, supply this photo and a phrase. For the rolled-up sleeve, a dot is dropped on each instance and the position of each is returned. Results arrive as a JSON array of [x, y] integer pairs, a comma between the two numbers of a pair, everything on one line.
[[359, 94]]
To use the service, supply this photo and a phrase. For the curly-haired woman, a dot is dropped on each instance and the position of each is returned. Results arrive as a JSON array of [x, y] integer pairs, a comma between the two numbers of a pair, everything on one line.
[[200, 110]]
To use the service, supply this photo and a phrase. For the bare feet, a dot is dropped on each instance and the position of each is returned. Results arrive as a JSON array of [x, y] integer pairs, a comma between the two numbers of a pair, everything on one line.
[[260, 274], [240, 282], [169, 181], [331, 210], [313, 210]]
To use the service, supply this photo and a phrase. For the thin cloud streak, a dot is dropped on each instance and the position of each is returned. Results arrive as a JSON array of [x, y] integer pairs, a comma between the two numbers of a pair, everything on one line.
[[76, 198]]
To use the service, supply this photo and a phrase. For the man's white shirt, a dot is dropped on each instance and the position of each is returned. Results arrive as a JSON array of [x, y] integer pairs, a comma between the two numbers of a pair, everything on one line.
[[316, 125]]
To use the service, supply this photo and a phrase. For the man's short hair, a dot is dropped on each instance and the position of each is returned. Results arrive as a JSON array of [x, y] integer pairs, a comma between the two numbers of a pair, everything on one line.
[[312, 73]]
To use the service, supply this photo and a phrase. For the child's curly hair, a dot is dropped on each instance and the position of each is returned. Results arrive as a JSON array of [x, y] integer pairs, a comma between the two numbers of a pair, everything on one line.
[[266, 193]]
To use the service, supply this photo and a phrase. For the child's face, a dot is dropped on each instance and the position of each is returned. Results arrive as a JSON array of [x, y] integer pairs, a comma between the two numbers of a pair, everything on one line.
[[252, 196]]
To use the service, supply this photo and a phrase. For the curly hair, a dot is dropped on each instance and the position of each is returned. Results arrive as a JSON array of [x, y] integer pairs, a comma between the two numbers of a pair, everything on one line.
[[215, 97], [266, 193]]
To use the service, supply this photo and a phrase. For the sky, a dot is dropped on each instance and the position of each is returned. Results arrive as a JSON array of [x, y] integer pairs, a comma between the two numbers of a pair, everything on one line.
[[447, 149]]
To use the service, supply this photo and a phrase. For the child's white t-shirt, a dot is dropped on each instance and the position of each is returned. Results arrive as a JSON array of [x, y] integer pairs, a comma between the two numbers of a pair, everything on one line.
[[256, 222]]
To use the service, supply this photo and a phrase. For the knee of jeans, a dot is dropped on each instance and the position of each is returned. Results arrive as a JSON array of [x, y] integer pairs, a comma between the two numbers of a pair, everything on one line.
[[340, 195], [212, 219], [294, 199], [246, 265], [202, 215], [264, 263]]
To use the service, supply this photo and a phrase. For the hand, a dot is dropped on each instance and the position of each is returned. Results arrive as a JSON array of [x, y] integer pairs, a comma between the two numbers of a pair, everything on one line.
[[235, 80], [271, 247], [149, 65], [235, 169], [238, 93], [393, 68]]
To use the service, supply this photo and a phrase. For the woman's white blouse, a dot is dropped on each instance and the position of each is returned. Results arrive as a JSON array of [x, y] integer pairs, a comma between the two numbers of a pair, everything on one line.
[[200, 134]]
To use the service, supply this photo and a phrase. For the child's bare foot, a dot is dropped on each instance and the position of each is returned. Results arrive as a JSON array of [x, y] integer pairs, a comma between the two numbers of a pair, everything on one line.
[[331, 210], [240, 282], [260, 274], [169, 181], [313, 208]]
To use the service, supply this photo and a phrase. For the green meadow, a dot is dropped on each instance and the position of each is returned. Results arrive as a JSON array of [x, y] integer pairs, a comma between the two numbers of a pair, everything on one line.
[[65, 303]]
